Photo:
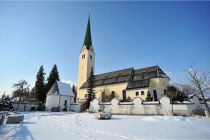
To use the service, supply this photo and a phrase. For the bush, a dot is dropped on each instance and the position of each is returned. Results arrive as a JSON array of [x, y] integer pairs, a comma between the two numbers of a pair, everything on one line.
[[199, 112], [149, 97], [32, 108], [55, 109], [106, 95], [84, 106]]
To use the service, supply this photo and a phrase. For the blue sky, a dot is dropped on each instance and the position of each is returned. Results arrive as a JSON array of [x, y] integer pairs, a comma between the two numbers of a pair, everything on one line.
[[173, 35]]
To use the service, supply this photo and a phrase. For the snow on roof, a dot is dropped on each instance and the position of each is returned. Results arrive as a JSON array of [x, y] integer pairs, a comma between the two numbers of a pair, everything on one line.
[[64, 89]]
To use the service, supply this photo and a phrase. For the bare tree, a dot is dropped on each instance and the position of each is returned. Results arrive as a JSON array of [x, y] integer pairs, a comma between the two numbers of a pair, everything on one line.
[[22, 88], [199, 82]]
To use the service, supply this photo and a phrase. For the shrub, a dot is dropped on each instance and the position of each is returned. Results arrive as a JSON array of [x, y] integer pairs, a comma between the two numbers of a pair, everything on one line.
[[55, 109]]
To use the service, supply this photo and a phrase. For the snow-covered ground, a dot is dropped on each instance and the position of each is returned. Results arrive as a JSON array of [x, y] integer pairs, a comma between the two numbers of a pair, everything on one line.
[[43, 125]]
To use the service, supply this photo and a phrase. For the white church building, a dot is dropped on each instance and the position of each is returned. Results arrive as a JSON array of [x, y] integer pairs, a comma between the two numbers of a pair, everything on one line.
[[59, 96]]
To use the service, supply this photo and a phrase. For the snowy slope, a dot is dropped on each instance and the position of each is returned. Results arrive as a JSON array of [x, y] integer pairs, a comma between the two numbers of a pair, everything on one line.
[[40, 125]]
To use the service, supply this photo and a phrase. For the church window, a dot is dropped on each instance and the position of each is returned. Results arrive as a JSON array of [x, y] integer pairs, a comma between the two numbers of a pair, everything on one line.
[[86, 95], [137, 93], [113, 94], [65, 103], [83, 56], [155, 95], [124, 95], [142, 92], [90, 56]]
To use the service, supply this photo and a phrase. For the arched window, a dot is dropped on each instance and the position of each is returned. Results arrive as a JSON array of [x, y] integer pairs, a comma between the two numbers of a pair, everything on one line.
[[83, 56], [65, 103], [155, 95], [124, 95], [113, 94], [137, 93]]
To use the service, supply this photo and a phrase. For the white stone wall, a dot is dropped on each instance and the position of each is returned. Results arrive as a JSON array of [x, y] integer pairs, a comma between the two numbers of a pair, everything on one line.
[[138, 107], [23, 107], [75, 107]]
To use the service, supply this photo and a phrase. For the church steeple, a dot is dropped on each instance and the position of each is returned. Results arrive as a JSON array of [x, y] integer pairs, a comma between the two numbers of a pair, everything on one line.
[[86, 59], [88, 39]]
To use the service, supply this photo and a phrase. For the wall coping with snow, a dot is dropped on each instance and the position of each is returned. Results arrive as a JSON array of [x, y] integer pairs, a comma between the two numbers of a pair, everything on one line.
[[140, 107], [151, 103], [104, 103], [125, 103]]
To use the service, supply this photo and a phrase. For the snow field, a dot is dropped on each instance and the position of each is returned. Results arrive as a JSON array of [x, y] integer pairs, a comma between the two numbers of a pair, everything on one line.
[[44, 125]]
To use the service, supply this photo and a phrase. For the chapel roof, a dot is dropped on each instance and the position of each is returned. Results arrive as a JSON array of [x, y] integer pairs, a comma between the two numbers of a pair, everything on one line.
[[64, 89], [61, 88]]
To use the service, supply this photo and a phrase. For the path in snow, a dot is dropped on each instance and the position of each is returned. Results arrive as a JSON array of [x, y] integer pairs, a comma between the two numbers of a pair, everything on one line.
[[78, 128]]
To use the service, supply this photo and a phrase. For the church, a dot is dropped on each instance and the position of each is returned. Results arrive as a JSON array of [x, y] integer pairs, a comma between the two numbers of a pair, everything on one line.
[[124, 84]]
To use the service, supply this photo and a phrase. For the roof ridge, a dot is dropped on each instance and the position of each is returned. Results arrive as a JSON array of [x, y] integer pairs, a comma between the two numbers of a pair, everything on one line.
[[148, 67], [114, 71]]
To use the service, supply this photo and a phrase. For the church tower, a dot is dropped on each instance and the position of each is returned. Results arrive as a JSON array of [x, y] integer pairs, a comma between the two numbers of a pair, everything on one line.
[[86, 59]]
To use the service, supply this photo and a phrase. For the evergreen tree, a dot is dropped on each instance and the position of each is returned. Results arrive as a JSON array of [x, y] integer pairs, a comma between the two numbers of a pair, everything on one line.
[[75, 93], [176, 95], [53, 77], [3, 96], [149, 97], [6, 104], [90, 89], [40, 85]]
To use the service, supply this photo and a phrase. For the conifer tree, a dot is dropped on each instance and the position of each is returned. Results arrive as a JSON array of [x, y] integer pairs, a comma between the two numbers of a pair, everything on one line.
[[176, 95], [75, 93], [90, 89], [53, 77], [149, 97], [40, 85]]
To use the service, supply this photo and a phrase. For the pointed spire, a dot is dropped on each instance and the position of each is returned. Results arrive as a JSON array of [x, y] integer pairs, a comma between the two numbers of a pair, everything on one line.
[[88, 39]]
